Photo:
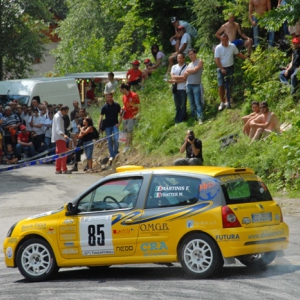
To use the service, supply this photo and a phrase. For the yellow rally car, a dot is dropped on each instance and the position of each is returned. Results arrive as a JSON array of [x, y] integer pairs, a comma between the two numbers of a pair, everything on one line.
[[202, 217]]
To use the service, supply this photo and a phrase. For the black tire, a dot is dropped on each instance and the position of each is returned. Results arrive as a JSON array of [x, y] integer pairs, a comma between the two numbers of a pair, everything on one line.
[[35, 260], [200, 257], [257, 260]]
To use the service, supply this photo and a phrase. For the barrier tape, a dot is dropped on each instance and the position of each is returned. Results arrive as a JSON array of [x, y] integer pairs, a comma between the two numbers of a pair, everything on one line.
[[51, 157]]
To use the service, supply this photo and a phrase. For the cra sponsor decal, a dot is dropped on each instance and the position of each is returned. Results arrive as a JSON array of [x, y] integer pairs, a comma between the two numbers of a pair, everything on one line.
[[9, 252], [70, 251], [154, 249], [227, 237], [154, 227], [124, 248]]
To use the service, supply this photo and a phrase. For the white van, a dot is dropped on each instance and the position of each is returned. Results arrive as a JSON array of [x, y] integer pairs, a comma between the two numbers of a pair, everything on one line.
[[54, 90]]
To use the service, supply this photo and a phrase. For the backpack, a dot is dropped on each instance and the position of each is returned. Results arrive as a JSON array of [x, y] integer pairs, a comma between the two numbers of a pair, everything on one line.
[[95, 134]]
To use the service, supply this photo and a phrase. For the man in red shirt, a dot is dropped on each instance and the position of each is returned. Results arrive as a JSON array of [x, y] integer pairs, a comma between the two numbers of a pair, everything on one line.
[[24, 145], [130, 110], [134, 75], [90, 94]]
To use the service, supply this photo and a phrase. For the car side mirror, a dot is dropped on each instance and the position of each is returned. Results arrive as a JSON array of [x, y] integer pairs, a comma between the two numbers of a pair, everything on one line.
[[71, 210]]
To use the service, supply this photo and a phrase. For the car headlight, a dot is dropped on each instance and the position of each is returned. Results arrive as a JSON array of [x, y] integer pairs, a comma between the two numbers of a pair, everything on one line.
[[11, 229]]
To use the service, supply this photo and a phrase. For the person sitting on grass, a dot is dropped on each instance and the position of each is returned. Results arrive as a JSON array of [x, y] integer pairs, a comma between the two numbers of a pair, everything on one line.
[[248, 118], [134, 75]]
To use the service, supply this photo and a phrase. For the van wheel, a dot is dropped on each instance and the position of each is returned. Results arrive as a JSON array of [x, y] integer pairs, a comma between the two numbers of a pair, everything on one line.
[[35, 260], [200, 256], [257, 260]]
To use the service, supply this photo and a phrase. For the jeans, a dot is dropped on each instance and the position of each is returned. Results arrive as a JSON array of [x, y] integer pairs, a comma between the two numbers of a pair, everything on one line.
[[194, 95], [180, 105], [88, 150], [294, 81], [256, 34], [113, 142], [22, 149], [49, 144]]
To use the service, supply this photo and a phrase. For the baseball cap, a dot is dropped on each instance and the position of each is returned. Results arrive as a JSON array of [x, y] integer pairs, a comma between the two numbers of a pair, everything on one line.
[[135, 62], [22, 127], [146, 61], [296, 40], [173, 19]]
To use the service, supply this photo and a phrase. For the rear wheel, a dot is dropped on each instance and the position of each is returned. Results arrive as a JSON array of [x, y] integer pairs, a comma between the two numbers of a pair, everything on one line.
[[36, 261], [199, 256], [257, 260]]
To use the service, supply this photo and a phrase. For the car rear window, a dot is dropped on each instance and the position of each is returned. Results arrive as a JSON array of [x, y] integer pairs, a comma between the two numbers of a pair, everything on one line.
[[244, 189]]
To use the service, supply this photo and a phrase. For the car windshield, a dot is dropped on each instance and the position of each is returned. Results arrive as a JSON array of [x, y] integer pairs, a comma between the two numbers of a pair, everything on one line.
[[5, 99], [239, 189]]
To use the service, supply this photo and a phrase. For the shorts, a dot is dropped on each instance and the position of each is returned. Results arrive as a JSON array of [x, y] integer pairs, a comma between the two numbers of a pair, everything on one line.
[[238, 43], [88, 150], [224, 79], [135, 82], [129, 124]]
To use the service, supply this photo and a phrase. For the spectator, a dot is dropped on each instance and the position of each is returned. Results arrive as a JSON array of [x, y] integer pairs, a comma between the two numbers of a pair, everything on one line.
[[184, 46], [232, 28], [82, 116], [90, 94], [38, 144], [147, 71], [10, 126], [75, 110], [285, 23], [295, 29], [48, 130], [246, 119], [111, 110], [10, 156], [1, 109], [24, 145], [179, 92], [35, 104], [25, 117], [134, 75], [86, 134], [37, 122], [158, 58], [224, 54], [193, 148], [193, 85], [59, 138], [191, 30], [111, 86], [259, 7], [130, 109], [292, 69], [263, 124]]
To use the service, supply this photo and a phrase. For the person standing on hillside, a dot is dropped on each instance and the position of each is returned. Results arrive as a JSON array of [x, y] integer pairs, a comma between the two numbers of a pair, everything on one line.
[[111, 110], [59, 138], [232, 28], [224, 54], [130, 112], [259, 7], [111, 86], [193, 148]]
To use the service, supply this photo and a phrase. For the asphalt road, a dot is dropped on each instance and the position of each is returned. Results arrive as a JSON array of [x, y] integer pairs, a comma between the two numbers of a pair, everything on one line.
[[37, 189]]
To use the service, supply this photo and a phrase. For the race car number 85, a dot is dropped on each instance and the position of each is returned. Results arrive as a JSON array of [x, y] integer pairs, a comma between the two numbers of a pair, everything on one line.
[[96, 234]]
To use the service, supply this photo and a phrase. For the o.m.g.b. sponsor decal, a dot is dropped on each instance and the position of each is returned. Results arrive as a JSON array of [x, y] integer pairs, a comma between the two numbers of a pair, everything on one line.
[[154, 227], [227, 237]]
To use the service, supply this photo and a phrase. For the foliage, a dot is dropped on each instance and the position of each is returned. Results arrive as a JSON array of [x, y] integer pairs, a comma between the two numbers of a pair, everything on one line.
[[21, 37]]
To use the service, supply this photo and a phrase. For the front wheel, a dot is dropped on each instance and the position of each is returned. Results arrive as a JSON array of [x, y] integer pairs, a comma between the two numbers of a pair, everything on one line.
[[36, 261], [257, 260], [200, 256]]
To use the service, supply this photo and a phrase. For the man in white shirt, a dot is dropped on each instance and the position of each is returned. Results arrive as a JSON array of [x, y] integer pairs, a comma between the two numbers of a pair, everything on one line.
[[59, 138], [224, 58], [112, 85], [184, 46]]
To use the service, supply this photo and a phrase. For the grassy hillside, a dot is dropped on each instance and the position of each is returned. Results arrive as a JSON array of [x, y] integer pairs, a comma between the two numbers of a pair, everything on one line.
[[276, 159]]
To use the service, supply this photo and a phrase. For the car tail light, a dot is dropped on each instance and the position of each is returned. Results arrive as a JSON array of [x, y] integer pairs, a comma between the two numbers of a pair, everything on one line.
[[229, 218]]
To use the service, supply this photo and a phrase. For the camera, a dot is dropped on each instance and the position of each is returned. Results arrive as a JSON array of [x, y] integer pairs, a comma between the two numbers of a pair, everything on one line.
[[191, 138]]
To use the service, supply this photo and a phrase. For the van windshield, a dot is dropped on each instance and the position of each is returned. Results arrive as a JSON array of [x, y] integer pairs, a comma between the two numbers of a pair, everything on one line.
[[5, 99]]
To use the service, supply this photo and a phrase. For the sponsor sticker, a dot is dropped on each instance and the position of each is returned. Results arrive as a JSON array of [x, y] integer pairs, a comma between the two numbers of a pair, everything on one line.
[[154, 227], [190, 224], [97, 252], [9, 252], [70, 251], [246, 220], [227, 237]]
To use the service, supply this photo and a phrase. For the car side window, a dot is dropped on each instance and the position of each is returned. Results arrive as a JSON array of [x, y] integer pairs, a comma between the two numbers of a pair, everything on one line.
[[166, 191], [114, 194]]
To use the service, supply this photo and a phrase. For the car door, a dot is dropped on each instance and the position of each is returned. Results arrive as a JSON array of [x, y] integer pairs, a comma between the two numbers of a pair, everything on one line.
[[99, 229]]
